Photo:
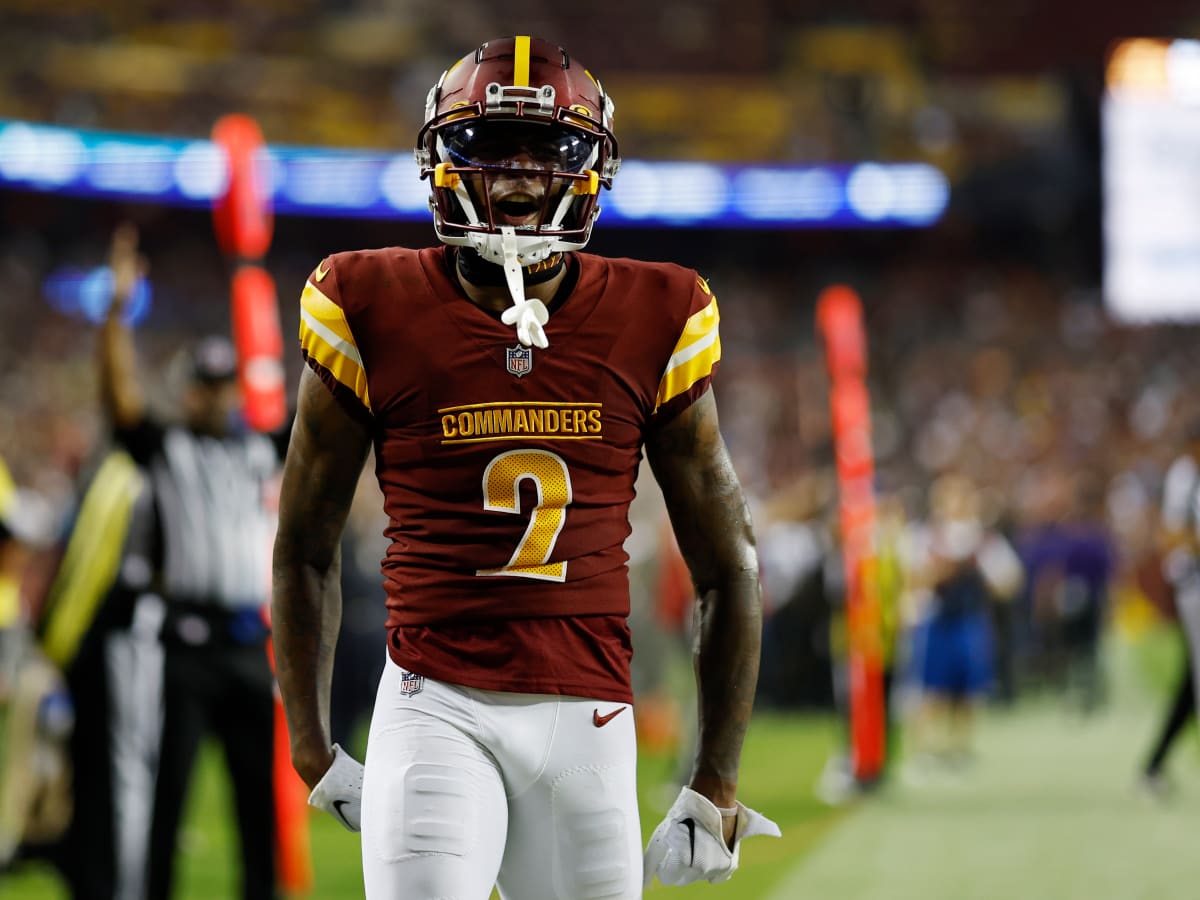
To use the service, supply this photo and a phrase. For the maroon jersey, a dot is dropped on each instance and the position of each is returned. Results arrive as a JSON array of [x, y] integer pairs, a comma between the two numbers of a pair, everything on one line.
[[507, 471]]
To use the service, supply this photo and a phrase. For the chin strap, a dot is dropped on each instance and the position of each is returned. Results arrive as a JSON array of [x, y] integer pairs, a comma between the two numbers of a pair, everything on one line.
[[527, 315]]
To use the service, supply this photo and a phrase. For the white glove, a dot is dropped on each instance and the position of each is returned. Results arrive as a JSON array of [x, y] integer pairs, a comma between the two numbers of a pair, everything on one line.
[[688, 844], [339, 792]]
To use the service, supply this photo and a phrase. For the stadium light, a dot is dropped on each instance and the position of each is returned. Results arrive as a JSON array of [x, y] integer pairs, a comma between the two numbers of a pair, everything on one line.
[[320, 181]]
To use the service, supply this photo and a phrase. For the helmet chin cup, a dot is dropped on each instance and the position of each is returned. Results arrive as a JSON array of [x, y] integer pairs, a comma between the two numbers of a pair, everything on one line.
[[528, 249]]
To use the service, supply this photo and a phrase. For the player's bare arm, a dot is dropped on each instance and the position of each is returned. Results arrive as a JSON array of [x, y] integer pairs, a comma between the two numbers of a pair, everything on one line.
[[120, 391], [324, 459], [712, 524]]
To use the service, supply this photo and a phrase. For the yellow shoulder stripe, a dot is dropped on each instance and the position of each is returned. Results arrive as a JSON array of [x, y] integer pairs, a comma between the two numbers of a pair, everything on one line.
[[696, 354], [325, 336], [700, 327]]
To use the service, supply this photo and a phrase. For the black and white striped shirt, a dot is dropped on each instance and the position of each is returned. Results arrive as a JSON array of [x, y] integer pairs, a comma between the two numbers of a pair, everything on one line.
[[214, 524], [1181, 495]]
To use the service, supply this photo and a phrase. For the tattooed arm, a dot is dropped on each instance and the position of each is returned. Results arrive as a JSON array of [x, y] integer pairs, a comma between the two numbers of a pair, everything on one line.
[[324, 459], [712, 524]]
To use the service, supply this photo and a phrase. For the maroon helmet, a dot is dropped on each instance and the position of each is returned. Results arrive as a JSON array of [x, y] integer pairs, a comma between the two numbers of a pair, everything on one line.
[[517, 108]]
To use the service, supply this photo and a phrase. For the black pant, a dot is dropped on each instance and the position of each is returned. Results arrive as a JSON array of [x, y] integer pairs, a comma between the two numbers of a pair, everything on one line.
[[89, 858], [89, 852], [1183, 705], [226, 690]]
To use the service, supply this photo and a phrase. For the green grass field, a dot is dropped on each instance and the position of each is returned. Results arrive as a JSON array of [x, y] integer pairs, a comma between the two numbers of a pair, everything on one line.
[[1048, 812]]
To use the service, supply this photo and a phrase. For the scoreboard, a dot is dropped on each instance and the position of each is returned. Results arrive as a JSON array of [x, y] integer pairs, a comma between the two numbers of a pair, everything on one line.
[[1151, 181]]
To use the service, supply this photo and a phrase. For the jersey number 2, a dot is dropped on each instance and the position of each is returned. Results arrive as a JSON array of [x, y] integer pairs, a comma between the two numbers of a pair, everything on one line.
[[502, 492]]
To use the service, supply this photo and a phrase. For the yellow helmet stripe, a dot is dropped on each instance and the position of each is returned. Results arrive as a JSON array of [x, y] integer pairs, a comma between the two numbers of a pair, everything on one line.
[[521, 61]]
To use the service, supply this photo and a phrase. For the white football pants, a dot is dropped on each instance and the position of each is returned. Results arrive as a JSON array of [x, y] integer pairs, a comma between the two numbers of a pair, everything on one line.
[[466, 789]]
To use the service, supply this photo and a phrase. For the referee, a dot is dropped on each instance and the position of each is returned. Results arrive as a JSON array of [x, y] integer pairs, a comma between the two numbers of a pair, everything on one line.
[[1179, 545], [209, 476]]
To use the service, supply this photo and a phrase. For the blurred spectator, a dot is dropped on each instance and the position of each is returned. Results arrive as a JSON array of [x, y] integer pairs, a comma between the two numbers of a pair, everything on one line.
[[98, 628], [801, 594], [13, 560], [35, 774], [34, 795], [958, 566], [35, 710], [1069, 561], [1179, 541]]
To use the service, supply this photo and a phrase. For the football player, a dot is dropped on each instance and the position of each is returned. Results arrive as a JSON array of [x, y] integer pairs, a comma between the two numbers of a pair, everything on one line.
[[509, 384]]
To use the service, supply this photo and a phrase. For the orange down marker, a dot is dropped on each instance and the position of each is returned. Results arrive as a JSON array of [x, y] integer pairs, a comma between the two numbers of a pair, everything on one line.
[[243, 220], [839, 320]]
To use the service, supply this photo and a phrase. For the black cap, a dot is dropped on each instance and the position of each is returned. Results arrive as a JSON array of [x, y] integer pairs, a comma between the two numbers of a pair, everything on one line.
[[212, 360]]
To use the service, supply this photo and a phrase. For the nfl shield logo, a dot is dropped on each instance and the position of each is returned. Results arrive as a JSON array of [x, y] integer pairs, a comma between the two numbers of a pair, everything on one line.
[[410, 683], [519, 360]]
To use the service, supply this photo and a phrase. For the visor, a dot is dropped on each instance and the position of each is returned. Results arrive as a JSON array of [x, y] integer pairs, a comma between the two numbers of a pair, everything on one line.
[[484, 143]]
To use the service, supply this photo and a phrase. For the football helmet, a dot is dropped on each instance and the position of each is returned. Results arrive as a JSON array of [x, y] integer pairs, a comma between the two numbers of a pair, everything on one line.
[[516, 144]]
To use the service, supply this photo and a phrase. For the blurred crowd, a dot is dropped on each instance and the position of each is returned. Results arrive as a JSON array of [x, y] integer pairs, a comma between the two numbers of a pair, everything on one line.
[[1063, 423], [751, 81]]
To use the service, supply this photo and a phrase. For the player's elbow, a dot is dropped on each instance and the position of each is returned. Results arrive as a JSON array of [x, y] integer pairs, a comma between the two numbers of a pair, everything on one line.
[[729, 573], [299, 550]]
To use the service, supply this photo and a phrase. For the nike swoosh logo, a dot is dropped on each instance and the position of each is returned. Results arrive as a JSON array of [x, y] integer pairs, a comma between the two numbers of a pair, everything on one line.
[[321, 273], [600, 721], [337, 807], [690, 824]]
